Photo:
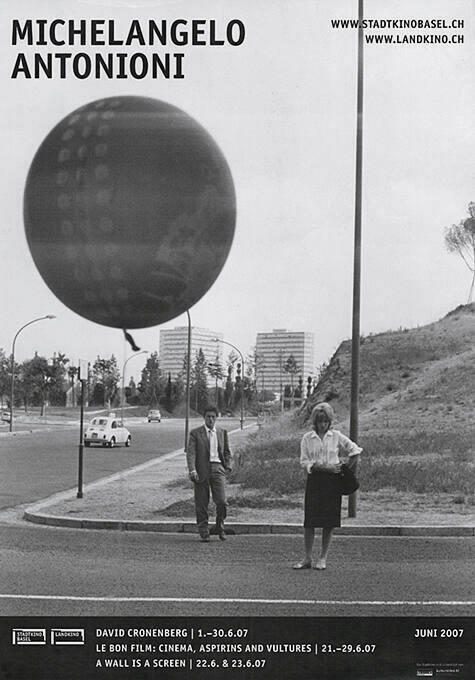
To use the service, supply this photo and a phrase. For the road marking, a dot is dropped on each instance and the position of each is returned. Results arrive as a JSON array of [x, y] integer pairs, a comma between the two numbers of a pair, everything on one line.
[[239, 600]]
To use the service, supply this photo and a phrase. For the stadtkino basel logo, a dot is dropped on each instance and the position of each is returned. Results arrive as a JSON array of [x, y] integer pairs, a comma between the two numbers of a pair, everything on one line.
[[29, 636]]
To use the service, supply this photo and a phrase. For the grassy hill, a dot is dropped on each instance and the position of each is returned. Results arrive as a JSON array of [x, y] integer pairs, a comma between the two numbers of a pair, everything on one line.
[[412, 379], [416, 419]]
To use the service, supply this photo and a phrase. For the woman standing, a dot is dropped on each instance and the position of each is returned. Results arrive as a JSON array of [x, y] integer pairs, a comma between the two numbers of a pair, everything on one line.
[[321, 454]]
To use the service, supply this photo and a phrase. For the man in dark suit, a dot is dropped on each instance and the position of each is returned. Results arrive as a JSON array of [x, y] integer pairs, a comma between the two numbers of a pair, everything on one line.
[[209, 458]]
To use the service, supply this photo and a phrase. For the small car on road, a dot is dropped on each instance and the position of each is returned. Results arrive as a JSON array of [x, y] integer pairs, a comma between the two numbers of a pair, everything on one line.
[[107, 431], [154, 414]]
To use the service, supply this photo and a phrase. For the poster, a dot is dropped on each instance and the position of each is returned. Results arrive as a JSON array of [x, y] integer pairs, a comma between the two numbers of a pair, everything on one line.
[[274, 85]]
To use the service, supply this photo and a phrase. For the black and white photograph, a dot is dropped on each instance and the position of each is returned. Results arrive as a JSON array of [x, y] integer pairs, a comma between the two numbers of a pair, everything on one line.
[[237, 349]]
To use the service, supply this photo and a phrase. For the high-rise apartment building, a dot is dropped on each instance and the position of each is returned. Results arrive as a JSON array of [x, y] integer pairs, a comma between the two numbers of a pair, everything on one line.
[[173, 347], [274, 349]]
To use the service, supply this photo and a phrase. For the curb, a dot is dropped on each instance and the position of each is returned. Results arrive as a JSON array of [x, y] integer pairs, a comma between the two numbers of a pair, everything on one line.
[[35, 515], [241, 528]]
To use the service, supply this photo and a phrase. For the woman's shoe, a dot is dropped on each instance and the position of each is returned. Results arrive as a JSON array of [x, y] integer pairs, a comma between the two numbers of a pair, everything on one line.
[[302, 565], [321, 564]]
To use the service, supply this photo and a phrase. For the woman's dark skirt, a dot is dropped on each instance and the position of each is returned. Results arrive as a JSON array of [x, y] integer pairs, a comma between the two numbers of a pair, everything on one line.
[[322, 500]]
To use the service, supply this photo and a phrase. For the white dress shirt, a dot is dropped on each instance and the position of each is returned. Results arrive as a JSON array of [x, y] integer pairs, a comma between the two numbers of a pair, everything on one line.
[[213, 446], [333, 448]]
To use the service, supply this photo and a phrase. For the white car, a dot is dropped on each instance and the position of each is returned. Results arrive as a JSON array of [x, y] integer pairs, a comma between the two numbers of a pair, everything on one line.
[[154, 414], [107, 431]]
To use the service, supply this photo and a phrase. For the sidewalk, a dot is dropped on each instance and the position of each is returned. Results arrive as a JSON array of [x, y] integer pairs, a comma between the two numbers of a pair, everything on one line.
[[157, 496]]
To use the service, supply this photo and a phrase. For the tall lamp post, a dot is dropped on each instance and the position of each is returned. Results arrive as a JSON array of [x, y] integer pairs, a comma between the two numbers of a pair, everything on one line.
[[122, 396], [355, 335], [242, 377], [12, 384], [188, 376]]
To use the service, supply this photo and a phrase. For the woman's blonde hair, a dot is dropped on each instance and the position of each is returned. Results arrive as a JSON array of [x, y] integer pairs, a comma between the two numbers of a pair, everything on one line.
[[326, 409]]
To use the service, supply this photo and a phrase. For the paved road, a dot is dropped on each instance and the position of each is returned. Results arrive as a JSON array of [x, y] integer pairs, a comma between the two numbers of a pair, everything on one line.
[[34, 465], [56, 571]]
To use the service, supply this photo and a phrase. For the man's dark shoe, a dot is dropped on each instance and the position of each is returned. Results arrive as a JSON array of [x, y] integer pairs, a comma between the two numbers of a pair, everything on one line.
[[221, 533], [204, 536]]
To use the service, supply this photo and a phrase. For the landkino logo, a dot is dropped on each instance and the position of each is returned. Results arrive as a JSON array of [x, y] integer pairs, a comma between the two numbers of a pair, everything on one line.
[[29, 636], [67, 636]]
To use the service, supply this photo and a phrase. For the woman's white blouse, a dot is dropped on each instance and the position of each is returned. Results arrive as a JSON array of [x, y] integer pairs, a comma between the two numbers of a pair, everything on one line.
[[330, 450]]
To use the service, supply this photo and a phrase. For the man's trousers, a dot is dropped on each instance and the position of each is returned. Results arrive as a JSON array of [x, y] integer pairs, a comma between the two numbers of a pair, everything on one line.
[[217, 484]]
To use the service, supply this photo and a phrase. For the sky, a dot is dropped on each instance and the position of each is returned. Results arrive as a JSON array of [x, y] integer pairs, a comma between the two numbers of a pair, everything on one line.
[[282, 108]]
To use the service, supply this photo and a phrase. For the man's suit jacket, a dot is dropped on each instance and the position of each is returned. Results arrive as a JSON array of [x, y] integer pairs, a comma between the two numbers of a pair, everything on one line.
[[197, 454]]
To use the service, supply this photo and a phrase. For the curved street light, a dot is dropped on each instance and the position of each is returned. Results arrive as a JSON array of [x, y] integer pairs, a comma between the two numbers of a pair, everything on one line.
[[122, 396], [225, 342], [12, 384]]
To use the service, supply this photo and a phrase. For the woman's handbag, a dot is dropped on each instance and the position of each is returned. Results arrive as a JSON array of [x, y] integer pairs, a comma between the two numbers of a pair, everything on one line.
[[347, 481]]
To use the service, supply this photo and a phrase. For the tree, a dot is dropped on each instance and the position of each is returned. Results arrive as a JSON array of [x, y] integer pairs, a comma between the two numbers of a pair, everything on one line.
[[249, 390], [216, 371], [175, 390], [5, 377], [299, 389], [287, 396], [72, 375], [105, 378], [38, 381], [232, 358], [254, 365], [169, 393], [58, 379], [460, 238], [228, 390], [178, 390], [35, 377], [152, 383], [238, 387], [131, 392], [199, 382], [291, 367]]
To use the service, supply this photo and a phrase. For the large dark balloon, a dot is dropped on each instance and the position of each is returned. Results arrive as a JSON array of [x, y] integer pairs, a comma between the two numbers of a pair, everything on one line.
[[129, 211]]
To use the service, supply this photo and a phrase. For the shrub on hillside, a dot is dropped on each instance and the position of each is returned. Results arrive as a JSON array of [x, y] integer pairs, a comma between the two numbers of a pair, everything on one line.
[[434, 475], [452, 443], [418, 462], [270, 464], [281, 476]]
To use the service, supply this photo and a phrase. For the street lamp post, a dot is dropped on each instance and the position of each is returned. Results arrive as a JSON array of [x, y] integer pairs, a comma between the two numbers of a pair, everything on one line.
[[12, 383], [242, 376], [355, 335], [188, 376], [122, 396]]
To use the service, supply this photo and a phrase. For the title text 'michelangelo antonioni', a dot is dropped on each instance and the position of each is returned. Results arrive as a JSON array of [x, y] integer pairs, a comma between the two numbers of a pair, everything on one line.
[[97, 33]]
